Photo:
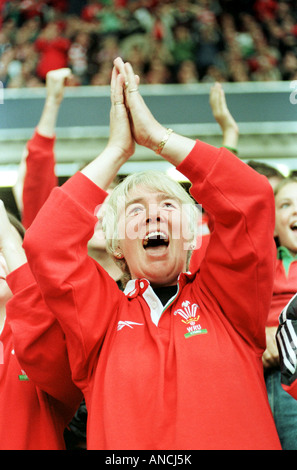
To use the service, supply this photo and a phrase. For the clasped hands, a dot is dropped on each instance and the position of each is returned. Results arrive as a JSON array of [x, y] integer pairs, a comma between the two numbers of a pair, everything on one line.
[[130, 119]]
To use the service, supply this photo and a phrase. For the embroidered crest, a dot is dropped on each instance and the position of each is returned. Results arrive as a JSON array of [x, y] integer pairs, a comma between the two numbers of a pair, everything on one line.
[[190, 317], [23, 376]]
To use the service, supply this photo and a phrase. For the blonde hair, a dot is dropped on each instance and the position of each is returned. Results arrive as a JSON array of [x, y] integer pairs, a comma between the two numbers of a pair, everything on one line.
[[284, 182], [155, 181]]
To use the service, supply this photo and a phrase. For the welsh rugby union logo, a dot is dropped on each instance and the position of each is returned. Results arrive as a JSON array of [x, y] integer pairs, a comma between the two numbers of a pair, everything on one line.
[[189, 314]]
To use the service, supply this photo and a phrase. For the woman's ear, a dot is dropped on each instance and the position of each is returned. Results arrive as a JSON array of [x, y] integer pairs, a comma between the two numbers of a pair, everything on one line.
[[118, 254]]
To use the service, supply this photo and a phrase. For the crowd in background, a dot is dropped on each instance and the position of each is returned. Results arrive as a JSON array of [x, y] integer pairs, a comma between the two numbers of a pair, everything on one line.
[[179, 41]]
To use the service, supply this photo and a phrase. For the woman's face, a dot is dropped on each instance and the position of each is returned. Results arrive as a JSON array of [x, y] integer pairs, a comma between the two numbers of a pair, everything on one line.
[[286, 216], [154, 236], [5, 292], [98, 240]]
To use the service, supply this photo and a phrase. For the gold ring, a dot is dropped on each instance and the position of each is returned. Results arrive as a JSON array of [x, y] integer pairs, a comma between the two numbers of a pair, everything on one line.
[[133, 90]]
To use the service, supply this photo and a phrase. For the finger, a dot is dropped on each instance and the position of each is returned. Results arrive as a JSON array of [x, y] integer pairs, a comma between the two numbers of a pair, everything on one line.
[[120, 66], [214, 93], [113, 80], [132, 81], [65, 72], [118, 95], [59, 74]]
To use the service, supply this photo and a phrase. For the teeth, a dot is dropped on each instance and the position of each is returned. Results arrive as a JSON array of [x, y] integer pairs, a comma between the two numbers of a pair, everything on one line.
[[294, 225], [155, 235]]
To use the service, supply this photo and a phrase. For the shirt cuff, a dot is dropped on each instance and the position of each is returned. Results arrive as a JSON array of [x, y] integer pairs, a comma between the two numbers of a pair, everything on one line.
[[80, 188], [199, 161]]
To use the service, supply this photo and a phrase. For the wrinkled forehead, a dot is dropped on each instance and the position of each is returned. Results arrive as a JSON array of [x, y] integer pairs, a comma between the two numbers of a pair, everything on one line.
[[147, 193]]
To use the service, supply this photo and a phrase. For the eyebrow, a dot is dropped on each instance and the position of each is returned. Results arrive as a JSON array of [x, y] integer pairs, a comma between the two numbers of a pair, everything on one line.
[[161, 197], [285, 198]]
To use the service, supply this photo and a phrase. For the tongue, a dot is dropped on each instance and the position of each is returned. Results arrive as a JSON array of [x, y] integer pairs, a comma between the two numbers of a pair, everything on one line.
[[156, 247]]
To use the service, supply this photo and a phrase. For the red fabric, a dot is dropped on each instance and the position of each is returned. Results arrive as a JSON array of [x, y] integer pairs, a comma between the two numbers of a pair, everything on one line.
[[37, 395], [53, 55], [40, 177], [285, 287], [147, 385]]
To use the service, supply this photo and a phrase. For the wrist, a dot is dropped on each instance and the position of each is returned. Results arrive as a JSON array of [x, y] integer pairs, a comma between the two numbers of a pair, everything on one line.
[[230, 129], [230, 138], [231, 149], [105, 167], [52, 102], [159, 136], [158, 150]]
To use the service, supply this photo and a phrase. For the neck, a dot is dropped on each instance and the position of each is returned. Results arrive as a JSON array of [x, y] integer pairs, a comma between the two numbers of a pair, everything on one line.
[[107, 263]]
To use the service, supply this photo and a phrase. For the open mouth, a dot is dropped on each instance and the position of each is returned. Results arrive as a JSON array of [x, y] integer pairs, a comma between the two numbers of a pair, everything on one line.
[[293, 226], [155, 239]]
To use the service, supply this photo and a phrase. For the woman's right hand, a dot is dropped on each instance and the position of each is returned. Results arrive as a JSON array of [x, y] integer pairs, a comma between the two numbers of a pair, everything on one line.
[[147, 131], [120, 138]]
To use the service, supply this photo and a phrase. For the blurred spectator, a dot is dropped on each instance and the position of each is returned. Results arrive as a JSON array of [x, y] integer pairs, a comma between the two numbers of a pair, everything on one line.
[[91, 10], [214, 74], [183, 47], [225, 40], [289, 66], [158, 73], [265, 9], [78, 56], [53, 48], [187, 72]]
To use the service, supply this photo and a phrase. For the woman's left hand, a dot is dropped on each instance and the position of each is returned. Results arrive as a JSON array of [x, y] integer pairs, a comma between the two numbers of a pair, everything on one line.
[[121, 137]]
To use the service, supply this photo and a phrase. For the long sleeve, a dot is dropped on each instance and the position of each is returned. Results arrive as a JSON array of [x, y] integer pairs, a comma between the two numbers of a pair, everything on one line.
[[40, 177], [132, 368], [238, 266], [238, 259], [75, 287], [39, 340]]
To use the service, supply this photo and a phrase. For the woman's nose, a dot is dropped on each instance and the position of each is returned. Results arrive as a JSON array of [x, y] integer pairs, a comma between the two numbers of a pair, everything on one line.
[[153, 214]]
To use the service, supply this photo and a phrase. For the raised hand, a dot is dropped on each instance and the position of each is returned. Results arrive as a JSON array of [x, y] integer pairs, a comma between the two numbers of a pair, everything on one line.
[[121, 144], [145, 128], [120, 131], [223, 116], [55, 83]]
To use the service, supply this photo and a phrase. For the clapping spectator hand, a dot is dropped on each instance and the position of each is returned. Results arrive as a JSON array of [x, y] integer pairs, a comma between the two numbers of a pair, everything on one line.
[[55, 84], [223, 117]]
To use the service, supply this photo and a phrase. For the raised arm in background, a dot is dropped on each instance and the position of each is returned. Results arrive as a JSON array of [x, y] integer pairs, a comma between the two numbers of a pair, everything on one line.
[[36, 176]]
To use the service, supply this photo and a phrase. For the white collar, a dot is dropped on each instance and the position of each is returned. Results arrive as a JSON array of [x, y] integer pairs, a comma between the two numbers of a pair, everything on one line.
[[135, 287]]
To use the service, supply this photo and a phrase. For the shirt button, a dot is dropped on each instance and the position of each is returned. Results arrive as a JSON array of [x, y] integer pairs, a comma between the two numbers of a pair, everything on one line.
[[154, 305]]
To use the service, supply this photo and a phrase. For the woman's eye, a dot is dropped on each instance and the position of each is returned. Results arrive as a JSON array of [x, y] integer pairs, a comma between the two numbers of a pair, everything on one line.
[[285, 205], [169, 205], [135, 210]]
